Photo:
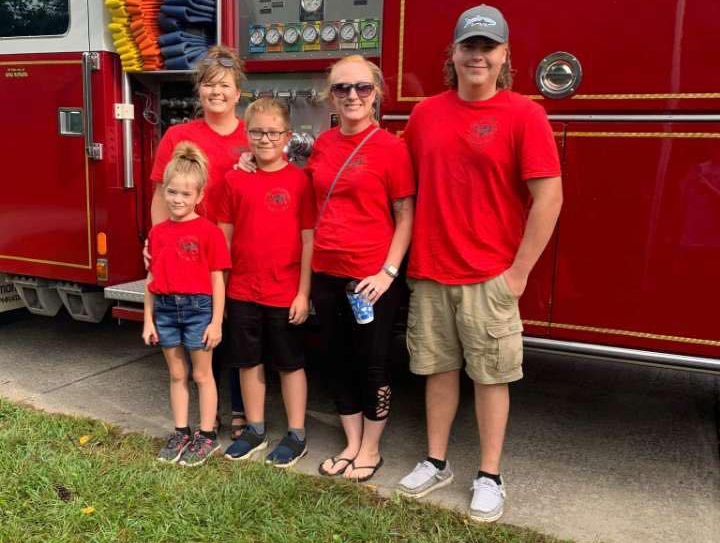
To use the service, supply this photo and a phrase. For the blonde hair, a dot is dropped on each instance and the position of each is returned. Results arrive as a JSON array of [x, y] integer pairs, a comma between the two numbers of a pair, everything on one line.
[[187, 159], [377, 76], [504, 81], [268, 106], [208, 71]]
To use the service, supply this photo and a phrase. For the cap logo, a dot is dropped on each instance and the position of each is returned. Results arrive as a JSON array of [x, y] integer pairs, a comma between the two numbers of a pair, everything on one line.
[[479, 20]]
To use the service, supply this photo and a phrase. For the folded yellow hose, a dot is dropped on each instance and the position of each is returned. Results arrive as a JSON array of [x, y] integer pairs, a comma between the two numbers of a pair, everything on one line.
[[125, 45]]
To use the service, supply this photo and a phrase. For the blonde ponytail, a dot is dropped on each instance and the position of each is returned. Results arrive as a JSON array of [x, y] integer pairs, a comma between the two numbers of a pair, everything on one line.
[[187, 159]]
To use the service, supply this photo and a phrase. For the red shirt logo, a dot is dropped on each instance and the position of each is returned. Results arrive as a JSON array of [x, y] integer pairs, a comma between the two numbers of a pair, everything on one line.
[[277, 199], [482, 132], [188, 248]]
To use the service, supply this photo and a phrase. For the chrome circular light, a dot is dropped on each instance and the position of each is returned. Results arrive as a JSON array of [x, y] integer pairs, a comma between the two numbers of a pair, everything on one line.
[[558, 75]]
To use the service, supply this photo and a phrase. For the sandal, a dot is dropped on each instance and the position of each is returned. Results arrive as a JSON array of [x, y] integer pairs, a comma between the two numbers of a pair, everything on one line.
[[335, 460], [367, 477], [237, 428]]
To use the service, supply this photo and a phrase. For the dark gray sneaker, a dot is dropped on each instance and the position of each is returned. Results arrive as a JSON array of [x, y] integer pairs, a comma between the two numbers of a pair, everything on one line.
[[288, 451], [176, 444], [248, 443], [424, 479], [198, 451]]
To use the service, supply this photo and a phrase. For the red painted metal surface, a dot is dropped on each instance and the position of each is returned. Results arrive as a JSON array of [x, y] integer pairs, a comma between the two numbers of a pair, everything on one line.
[[639, 237], [46, 222], [59, 200], [128, 313], [632, 52]]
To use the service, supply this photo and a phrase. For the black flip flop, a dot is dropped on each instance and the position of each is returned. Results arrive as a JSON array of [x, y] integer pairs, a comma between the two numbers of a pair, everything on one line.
[[334, 461], [367, 477]]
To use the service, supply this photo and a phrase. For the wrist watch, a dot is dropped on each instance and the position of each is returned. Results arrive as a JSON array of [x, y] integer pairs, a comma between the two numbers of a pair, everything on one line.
[[391, 270]]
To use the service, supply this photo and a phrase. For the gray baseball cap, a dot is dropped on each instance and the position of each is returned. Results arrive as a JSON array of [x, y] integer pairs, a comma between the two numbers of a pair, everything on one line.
[[482, 20]]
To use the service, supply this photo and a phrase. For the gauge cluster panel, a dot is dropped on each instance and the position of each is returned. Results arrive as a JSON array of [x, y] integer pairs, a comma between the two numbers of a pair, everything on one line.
[[307, 29]]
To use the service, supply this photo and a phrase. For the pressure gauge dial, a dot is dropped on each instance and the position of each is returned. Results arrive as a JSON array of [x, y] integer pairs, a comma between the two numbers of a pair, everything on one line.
[[369, 31], [257, 36], [291, 35], [328, 32], [311, 6], [310, 34], [347, 32], [273, 36]]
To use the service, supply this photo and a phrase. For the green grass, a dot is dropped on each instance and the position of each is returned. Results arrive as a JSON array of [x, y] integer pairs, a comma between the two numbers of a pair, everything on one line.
[[48, 479]]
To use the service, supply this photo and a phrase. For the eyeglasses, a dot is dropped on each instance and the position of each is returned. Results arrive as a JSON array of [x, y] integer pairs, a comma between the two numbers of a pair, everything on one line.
[[342, 90], [273, 135], [225, 62]]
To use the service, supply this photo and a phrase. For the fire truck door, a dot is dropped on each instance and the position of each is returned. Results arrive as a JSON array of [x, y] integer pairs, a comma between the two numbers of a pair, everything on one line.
[[639, 236], [536, 302], [45, 208]]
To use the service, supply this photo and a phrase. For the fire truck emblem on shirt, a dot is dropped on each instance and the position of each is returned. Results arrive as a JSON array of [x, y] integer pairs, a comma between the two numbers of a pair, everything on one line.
[[479, 20], [277, 199], [188, 248], [482, 132]]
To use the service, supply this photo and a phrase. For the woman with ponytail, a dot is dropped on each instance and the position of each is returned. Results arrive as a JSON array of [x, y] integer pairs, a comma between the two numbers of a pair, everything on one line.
[[185, 299]]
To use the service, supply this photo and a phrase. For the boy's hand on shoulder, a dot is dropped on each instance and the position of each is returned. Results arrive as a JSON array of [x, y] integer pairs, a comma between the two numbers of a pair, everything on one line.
[[299, 309], [149, 334], [212, 336]]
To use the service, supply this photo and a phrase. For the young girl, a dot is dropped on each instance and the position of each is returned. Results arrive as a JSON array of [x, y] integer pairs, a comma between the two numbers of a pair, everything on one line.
[[184, 301]]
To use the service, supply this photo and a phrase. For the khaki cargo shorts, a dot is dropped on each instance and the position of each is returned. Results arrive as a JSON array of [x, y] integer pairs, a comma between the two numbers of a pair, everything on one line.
[[478, 323]]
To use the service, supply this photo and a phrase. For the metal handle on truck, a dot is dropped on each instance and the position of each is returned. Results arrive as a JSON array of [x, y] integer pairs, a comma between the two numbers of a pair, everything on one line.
[[90, 62]]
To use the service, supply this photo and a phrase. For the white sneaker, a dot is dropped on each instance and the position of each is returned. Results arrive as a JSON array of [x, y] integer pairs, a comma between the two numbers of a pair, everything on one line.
[[424, 479], [487, 501]]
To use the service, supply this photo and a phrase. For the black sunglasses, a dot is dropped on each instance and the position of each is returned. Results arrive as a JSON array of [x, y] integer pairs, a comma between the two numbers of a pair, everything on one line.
[[225, 62], [342, 90], [273, 135]]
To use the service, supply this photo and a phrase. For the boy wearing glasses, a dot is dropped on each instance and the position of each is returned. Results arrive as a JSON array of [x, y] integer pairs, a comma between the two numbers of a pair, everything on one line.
[[268, 219]]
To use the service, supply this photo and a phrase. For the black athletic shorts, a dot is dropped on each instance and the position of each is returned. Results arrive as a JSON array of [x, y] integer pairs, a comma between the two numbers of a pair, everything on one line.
[[260, 333]]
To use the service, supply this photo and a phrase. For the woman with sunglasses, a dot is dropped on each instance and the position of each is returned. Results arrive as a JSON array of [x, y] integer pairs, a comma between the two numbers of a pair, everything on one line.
[[220, 134], [363, 230]]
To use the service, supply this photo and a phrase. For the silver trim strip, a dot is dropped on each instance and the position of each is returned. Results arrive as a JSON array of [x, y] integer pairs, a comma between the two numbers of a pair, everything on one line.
[[648, 118], [128, 179], [620, 354]]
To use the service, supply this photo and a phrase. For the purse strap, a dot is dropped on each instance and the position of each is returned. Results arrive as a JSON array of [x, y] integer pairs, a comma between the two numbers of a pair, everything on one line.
[[340, 171]]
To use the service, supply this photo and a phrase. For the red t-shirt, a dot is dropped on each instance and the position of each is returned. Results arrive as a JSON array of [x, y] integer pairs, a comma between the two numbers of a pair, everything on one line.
[[353, 235], [267, 210], [183, 255], [473, 160], [222, 153]]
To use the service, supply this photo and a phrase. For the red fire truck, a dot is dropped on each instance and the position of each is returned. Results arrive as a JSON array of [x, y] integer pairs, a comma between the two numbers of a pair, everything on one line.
[[630, 87]]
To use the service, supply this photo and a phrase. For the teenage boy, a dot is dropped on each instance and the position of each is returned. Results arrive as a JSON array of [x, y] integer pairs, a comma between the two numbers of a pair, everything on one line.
[[489, 194], [267, 218]]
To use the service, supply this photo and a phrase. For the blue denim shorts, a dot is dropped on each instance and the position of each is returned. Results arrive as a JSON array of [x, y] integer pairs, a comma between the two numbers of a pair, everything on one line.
[[181, 319]]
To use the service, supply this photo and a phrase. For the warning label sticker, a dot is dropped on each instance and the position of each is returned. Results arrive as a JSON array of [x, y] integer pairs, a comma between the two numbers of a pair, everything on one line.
[[9, 298]]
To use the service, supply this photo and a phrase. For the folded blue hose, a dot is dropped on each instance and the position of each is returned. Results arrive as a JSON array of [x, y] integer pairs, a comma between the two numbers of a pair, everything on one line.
[[182, 37], [198, 5], [185, 62], [188, 15], [181, 49], [168, 24]]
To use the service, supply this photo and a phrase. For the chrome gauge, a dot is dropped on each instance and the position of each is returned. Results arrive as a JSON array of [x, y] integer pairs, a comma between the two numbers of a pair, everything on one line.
[[291, 35], [257, 36], [348, 32], [273, 36], [311, 6], [369, 31], [310, 34], [328, 32]]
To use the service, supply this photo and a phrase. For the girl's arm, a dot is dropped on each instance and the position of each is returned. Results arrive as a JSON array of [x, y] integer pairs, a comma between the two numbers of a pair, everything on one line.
[[149, 332], [404, 212], [301, 304], [213, 333], [228, 230]]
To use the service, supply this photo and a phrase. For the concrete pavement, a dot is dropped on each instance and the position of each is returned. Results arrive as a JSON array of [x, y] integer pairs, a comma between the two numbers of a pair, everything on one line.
[[595, 451]]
